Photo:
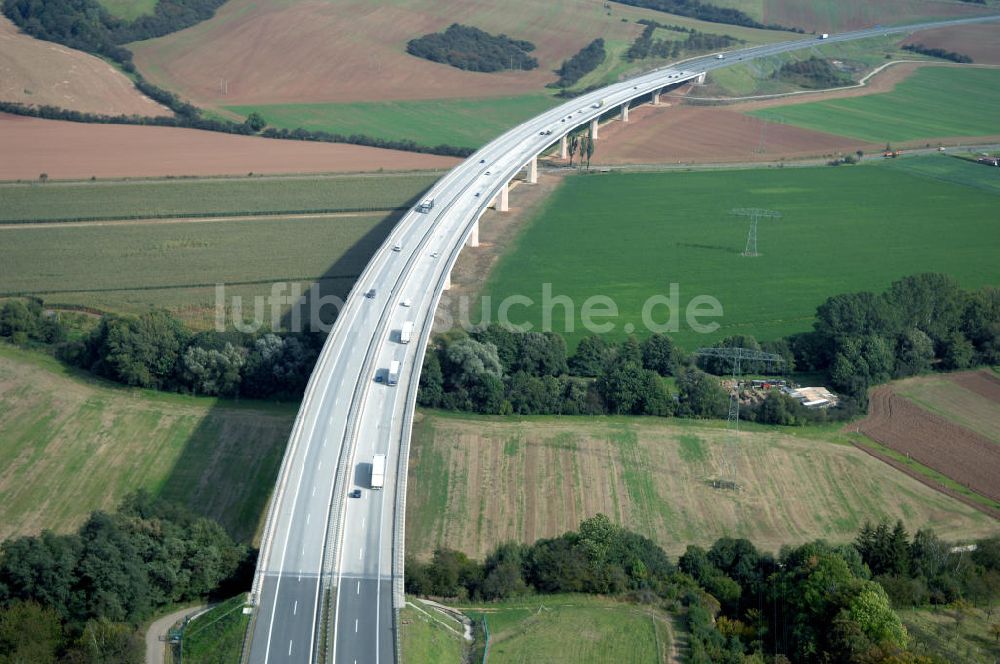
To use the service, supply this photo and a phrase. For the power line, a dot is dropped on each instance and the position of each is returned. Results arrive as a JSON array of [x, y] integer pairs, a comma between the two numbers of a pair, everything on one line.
[[737, 356], [754, 214]]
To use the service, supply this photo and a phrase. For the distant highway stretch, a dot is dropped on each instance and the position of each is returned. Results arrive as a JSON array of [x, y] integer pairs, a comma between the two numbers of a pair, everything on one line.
[[329, 579]]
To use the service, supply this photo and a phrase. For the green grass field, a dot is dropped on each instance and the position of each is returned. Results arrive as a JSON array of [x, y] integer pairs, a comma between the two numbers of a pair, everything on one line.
[[574, 629], [428, 636], [207, 196], [478, 481], [72, 444], [629, 236], [215, 637], [949, 636], [128, 10], [125, 267], [462, 122], [934, 102]]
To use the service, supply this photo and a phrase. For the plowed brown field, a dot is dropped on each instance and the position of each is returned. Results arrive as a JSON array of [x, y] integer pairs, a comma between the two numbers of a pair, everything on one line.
[[72, 150], [980, 42], [983, 383], [39, 72], [964, 456]]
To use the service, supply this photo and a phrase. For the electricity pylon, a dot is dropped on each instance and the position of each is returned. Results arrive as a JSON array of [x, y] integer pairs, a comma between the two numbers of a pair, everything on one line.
[[737, 356], [754, 214]]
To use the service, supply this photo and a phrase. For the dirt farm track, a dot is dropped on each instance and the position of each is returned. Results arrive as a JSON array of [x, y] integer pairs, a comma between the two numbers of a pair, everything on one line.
[[932, 440]]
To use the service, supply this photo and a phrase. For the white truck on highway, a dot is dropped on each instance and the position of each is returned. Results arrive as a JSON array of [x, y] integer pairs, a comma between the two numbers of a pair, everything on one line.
[[825, 35], [378, 471], [393, 372], [406, 332]]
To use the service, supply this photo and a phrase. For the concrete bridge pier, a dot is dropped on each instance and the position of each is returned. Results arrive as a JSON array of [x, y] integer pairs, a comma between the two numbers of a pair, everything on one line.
[[700, 79], [533, 171], [447, 281], [656, 97], [593, 128], [473, 239], [625, 112], [501, 202], [564, 147]]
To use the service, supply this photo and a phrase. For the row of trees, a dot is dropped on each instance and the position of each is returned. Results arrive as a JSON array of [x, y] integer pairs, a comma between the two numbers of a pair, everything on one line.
[[472, 49], [814, 73], [815, 602], [80, 598], [154, 350], [581, 64], [705, 12], [645, 46], [939, 52]]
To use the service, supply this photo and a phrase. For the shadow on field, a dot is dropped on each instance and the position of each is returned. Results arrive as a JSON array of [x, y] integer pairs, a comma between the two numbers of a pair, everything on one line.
[[229, 464]]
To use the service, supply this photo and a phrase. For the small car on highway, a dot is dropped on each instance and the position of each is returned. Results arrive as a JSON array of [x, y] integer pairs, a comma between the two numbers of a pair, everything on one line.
[[356, 493]]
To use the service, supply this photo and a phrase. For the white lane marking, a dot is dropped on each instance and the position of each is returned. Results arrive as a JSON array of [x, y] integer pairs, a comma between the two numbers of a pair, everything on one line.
[[308, 517], [319, 466], [295, 609], [289, 648], [359, 587], [362, 522], [314, 490], [361, 552], [355, 625]]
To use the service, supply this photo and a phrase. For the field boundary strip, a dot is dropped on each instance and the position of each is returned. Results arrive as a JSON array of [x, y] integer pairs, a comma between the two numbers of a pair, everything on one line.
[[221, 216]]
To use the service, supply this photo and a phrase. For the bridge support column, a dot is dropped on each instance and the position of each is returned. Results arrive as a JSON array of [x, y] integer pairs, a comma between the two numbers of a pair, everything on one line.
[[701, 78], [533, 171], [564, 147], [447, 281], [656, 97], [473, 240], [625, 112], [504, 198], [593, 128]]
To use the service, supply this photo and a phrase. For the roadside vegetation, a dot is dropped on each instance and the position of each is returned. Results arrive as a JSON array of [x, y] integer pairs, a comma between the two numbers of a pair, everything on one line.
[[735, 599], [581, 64], [938, 53], [647, 45], [81, 597], [815, 73], [216, 636]]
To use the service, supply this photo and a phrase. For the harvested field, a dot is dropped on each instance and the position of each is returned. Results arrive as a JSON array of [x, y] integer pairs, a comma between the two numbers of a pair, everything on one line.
[[980, 42], [38, 72], [970, 399], [354, 50], [691, 134], [475, 482], [73, 150], [966, 457]]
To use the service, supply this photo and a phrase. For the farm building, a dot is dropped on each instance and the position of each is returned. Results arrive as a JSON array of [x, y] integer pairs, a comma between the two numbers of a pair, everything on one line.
[[813, 397]]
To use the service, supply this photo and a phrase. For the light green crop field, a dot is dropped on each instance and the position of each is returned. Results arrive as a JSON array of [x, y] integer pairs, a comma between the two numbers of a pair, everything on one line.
[[129, 267], [72, 444], [462, 122], [128, 10], [630, 236], [573, 629], [429, 636], [935, 102], [475, 482], [220, 196]]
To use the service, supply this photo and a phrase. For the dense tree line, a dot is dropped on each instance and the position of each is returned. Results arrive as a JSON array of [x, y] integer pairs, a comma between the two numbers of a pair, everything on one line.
[[814, 73], [581, 64], [80, 598], [704, 12], [939, 52], [645, 46], [920, 323], [472, 49], [154, 350], [811, 603]]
